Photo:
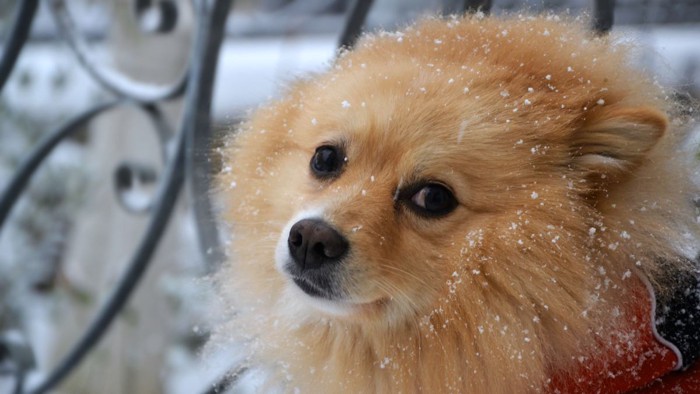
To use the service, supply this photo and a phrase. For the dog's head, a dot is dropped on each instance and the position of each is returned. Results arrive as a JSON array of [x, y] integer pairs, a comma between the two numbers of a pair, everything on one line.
[[455, 155]]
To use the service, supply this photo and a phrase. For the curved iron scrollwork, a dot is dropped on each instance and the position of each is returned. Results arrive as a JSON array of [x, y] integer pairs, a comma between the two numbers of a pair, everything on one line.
[[18, 36], [112, 81], [194, 86], [184, 150]]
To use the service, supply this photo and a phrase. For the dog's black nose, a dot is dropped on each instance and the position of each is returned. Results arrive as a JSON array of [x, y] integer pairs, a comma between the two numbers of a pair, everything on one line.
[[313, 242]]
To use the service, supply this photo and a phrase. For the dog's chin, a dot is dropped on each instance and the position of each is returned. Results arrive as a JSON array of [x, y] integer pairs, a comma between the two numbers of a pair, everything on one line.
[[326, 295], [334, 306]]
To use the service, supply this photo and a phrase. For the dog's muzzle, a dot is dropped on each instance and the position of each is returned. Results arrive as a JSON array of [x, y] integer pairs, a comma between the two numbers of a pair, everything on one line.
[[316, 249]]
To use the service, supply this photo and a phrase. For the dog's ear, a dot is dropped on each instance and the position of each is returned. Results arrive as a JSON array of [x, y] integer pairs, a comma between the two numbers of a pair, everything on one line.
[[614, 142]]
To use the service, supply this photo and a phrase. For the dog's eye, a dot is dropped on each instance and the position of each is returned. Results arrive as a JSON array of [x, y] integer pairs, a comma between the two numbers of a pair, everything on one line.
[[326, 161], [433, 199]]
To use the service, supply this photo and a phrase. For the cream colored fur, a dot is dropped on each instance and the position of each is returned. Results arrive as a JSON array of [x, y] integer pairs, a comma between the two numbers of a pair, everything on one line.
[[568, 174]]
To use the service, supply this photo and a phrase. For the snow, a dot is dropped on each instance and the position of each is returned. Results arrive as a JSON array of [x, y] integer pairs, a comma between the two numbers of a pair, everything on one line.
[[194, 371], [47, 80], [251, 71], [669, 52], [385, 362]]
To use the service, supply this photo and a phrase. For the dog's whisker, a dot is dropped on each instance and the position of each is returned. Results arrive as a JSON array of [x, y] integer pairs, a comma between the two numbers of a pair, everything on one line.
[[404, 298], [402, 271], [414, 314]]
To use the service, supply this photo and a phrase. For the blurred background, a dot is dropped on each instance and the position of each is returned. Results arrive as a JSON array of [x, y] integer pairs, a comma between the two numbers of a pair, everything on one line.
[[68, 240]]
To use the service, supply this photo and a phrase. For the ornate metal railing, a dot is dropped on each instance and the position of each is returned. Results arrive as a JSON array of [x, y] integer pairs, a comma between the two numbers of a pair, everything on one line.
[[181, 148]]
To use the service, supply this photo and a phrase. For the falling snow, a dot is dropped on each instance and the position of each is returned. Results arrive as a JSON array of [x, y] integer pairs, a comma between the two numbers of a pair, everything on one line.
[[386, 361]]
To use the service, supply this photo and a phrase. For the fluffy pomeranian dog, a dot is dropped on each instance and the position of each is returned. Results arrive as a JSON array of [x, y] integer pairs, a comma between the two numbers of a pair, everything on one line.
[[472, 205]]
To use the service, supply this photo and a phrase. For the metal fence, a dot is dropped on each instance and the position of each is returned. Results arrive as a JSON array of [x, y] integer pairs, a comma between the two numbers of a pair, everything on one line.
[[184, 169]]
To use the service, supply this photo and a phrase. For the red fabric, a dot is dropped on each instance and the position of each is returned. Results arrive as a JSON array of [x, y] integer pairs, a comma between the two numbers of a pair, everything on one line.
[[681, 382], [637, 361]]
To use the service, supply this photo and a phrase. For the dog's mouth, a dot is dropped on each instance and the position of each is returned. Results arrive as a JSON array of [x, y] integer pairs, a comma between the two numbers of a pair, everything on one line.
[[312, 289], [321, 285], [324, 297]]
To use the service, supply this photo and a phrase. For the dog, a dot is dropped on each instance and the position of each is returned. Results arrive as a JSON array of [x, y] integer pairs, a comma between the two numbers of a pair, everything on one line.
[[472, 205]]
